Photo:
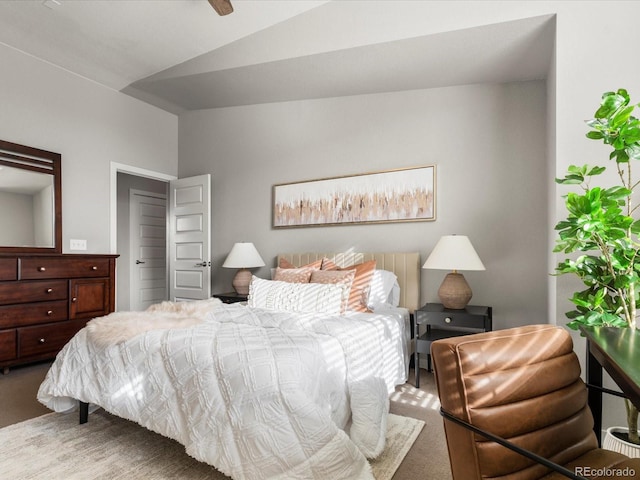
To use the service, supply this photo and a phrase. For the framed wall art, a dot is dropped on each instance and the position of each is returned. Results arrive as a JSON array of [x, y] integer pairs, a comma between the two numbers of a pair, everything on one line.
[[402, 195]]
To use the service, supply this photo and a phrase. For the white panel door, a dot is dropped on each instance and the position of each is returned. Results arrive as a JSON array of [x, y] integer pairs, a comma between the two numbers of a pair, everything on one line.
[[190, 238], [148, 247]]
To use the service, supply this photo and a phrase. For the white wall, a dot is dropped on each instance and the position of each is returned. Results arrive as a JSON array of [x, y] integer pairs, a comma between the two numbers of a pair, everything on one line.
[[490, 173], [90, 125]]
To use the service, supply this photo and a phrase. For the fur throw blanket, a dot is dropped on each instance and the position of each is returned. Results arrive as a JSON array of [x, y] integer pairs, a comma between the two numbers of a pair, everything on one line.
[[119, 327]]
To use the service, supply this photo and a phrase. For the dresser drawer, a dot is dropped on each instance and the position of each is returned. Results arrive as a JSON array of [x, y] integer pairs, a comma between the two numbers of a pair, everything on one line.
[[26, 292], [49, 267], [33, 313], [8, 269], [46, 338], [7, 345]]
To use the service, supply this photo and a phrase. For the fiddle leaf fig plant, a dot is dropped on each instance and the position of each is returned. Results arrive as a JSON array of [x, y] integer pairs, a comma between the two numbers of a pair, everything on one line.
[[601, 227]]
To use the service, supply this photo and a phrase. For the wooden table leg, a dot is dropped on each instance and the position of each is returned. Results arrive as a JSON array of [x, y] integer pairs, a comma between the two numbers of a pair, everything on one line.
[[594, 377], [84, 412]]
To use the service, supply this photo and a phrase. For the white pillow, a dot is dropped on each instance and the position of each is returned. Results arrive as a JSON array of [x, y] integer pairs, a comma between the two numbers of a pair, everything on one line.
[[384, 290], [297, 297]]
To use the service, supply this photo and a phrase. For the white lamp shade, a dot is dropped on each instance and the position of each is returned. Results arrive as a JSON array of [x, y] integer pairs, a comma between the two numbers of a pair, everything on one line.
[[243, 255], [454, 252]]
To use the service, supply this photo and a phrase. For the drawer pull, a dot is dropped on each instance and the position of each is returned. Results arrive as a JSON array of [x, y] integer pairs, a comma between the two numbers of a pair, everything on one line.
[[49, 290], [41, 340], [74, 299], [94, 268], [49, 312], [41, 269], [447, 320]]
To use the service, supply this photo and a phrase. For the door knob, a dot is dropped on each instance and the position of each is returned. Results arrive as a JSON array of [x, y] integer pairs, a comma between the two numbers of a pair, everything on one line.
[[138, 262], [202, 264]]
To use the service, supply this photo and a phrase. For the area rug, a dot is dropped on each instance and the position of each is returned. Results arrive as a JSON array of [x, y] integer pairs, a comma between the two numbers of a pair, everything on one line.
[[55, 446]]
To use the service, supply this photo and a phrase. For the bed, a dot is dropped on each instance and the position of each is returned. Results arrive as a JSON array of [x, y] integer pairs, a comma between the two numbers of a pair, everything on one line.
[[294, 391]]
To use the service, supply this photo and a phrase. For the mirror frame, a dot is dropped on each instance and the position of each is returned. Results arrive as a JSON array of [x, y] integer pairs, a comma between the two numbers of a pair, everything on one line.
[[41, 161]]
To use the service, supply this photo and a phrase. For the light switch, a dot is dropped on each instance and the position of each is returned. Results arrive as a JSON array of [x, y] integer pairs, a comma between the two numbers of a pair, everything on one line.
[[75, 244]]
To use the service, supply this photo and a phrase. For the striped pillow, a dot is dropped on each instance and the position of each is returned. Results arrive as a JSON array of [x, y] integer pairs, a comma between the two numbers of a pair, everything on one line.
[[293, 275]]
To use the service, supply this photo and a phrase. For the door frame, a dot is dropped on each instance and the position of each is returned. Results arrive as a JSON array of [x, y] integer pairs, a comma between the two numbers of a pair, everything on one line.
[[113, 194], [116, 168]]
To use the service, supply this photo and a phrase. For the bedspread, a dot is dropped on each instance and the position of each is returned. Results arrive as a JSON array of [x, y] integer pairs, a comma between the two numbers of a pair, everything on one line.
[[258, 394]]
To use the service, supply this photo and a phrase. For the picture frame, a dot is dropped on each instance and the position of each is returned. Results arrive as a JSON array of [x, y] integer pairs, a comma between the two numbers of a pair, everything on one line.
[[399, 195]]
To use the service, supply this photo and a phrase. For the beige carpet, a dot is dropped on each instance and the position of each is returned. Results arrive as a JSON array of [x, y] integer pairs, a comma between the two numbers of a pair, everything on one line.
[[427, 459], [55, 446]]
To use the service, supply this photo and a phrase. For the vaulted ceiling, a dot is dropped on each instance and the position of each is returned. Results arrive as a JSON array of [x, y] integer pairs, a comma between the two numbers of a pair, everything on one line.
[[181, 55]]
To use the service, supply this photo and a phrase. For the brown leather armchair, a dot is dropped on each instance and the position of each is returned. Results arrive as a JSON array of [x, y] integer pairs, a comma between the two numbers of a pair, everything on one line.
[[522, 386]]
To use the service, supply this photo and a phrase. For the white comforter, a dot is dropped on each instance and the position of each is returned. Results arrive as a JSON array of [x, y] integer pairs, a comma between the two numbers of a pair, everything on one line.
[[258, 394]]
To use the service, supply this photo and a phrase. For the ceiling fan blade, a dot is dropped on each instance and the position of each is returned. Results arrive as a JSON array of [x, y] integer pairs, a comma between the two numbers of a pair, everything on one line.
[[223, 7]]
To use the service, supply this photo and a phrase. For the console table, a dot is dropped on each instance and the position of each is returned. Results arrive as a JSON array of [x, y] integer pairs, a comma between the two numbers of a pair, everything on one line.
[[617, 350]]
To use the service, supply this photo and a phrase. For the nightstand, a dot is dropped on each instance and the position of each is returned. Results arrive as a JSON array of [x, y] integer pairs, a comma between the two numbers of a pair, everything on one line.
[[231, 297], [440, 322]]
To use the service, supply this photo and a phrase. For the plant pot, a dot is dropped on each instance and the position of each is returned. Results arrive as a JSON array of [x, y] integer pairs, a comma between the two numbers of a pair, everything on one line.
[[613, 442]]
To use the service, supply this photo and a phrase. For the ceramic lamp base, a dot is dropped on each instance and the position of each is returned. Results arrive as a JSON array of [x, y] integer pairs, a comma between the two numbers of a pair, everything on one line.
[[241, 281], [454, 292]]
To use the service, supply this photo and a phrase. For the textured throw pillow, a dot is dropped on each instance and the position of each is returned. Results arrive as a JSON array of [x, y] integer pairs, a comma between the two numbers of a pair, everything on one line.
[[296, 297], [333, 276], [293, 275], [336, 277], [358, 297]]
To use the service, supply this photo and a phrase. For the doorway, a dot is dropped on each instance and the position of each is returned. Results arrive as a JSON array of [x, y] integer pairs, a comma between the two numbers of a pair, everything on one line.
[[187, 223], [125, 179]]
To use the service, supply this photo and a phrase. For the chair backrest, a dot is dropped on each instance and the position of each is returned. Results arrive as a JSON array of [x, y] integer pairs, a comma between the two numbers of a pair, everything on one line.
[[522, 384]]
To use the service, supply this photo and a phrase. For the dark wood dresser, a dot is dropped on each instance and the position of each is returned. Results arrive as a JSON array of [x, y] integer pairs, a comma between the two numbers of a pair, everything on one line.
[[46, 299]]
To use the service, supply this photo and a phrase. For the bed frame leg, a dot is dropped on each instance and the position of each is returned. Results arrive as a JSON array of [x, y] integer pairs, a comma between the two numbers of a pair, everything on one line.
[[84, 412]]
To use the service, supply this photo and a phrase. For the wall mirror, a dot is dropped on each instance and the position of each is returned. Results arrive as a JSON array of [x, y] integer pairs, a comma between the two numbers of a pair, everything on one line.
[[30, 200]]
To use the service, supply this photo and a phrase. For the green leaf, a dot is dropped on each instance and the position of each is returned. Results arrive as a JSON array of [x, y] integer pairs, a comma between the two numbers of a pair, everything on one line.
[[595, 135], [595, 170], [617, 193], [623, 93], [620, 156], [635, 227], [570, 180], [610, 103], [633, 151], [622, 116]]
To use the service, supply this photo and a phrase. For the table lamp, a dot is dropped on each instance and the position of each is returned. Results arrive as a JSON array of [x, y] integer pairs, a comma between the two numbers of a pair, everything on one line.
[[243, 255], [454, 252]]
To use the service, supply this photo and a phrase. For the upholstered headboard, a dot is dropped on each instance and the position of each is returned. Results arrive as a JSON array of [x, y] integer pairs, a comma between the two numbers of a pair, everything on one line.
[[406, 266]]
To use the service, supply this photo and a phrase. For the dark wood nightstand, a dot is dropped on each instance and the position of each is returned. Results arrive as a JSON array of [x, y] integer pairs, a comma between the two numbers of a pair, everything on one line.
[[231, 297], [441, 322]]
